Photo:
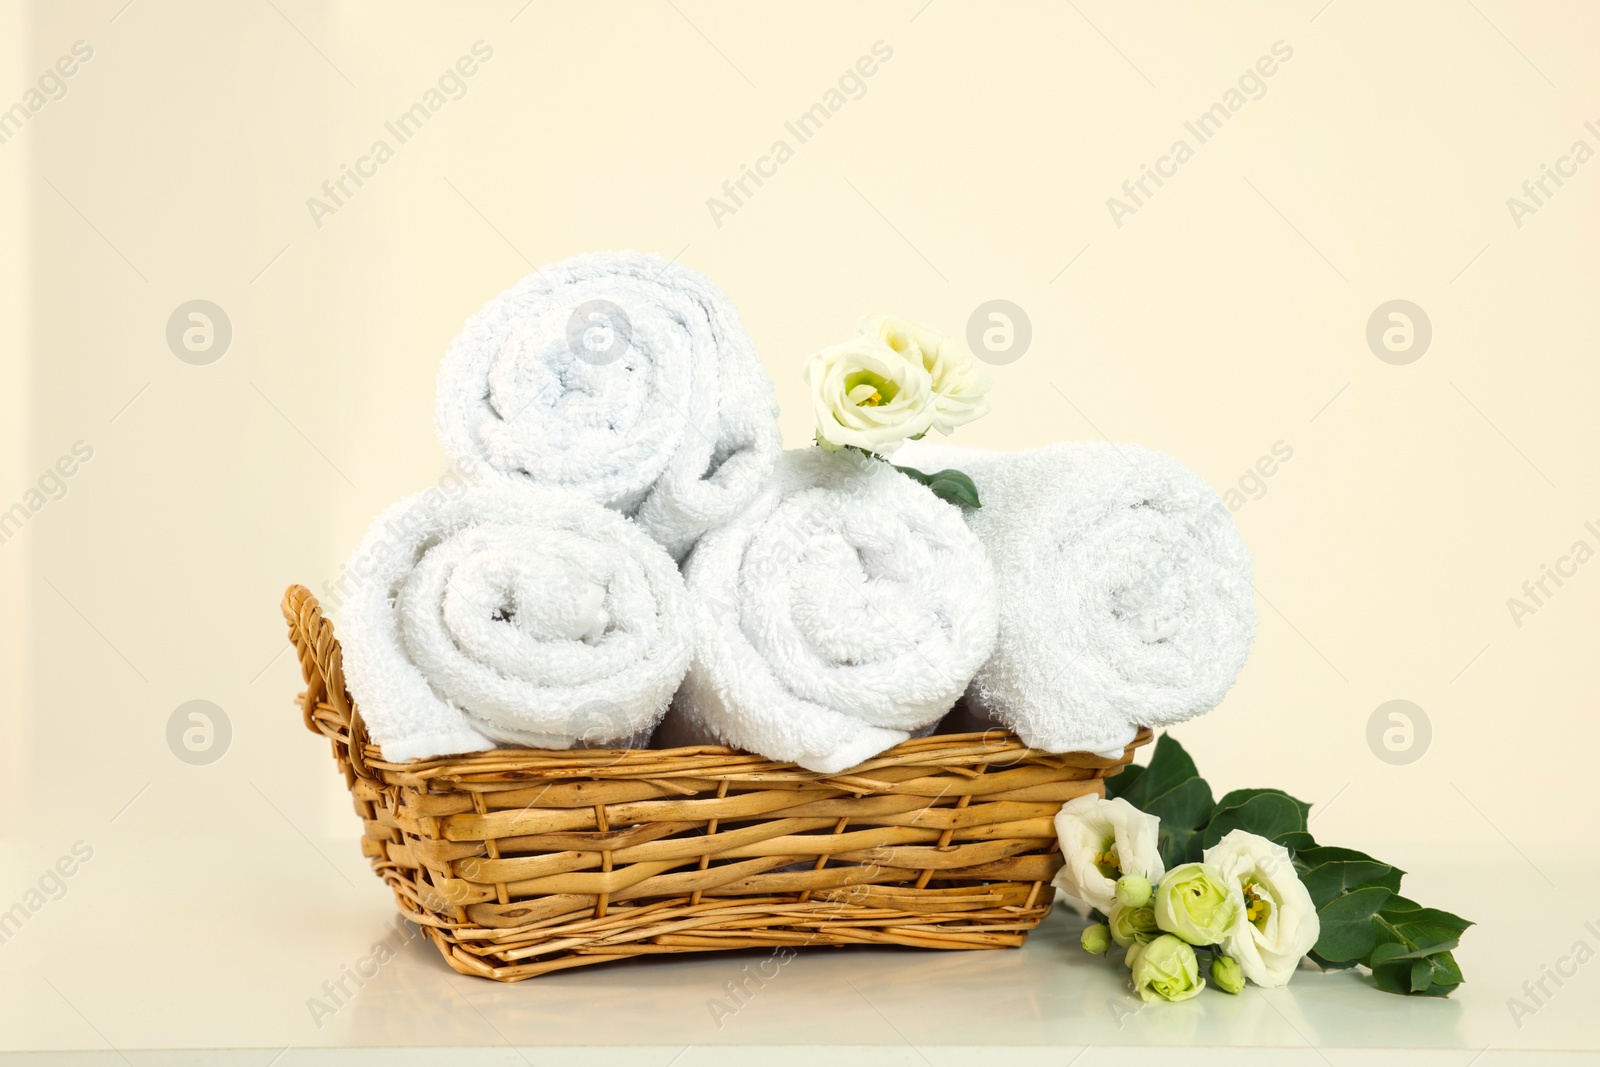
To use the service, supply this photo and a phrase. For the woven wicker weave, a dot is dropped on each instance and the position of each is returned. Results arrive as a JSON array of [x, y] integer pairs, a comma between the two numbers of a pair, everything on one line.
[[516, 862]]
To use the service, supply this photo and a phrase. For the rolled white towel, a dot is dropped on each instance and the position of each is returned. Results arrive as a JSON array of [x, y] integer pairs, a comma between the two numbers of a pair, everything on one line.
[[527, 616], [846, 609], [1125, 592], [623, 376]]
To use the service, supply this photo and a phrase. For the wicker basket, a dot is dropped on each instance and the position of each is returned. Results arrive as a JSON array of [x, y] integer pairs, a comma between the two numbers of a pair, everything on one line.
[[516, 862]]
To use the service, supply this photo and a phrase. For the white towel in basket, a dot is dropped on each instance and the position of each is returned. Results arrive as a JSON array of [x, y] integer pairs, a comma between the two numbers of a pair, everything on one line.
[[623, 376], [845, 610], [1125, 593], [528, 616]]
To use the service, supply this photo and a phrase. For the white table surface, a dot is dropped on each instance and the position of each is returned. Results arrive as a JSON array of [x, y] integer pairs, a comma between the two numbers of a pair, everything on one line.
[[172, 951]]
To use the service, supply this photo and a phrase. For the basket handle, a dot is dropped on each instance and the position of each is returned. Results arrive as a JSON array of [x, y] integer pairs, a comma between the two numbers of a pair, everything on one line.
[[322, 667]]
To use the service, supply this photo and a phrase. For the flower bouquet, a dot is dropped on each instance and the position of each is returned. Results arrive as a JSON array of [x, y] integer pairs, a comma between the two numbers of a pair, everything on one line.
[[1172, 876]]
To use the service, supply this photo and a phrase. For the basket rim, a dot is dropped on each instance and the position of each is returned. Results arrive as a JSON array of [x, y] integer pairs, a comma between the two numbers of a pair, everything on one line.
[[329, 709]]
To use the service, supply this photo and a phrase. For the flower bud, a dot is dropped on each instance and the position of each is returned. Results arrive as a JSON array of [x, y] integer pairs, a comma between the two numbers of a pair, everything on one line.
[[1096, 939], [1133, 891], [1166, 969], [1227, 974], [1130, 925]]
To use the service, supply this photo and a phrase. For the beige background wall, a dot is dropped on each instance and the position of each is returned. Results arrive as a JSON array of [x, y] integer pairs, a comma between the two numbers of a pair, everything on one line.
[[1225, 315], [14, 432]]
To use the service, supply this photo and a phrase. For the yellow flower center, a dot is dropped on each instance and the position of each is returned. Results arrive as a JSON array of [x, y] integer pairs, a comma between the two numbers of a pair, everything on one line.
[[868, 390], [1107, 862], [1258, 907]]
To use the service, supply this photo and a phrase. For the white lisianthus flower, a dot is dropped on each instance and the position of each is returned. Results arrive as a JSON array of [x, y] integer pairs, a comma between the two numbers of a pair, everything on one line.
[[864, 393], [1102, 840], [958, 382], [1281, 923]]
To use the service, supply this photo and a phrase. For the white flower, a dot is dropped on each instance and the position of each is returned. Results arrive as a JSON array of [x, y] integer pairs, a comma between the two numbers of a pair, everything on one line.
[[958, 383], [1102, 840], [866, 394], [1281, 922]]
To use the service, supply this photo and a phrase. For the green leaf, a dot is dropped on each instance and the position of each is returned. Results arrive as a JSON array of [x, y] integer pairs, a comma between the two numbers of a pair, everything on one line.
[[1331, 965], [1393, 977], [1398, 905], [1296, 841], [1428, 971], [1421, 926], [955, 488], [1178, 846], [1348, 928], [1186, 806], [1413, 980], [948, 485], [1395, 950], [1413, 955], [1170, 766], [1268, 813], [1423, 920], [1438, 990], [1331, 872], [1172, 790], [1118, 784], [1239, 797], [1445, 970], [1328, 853]]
